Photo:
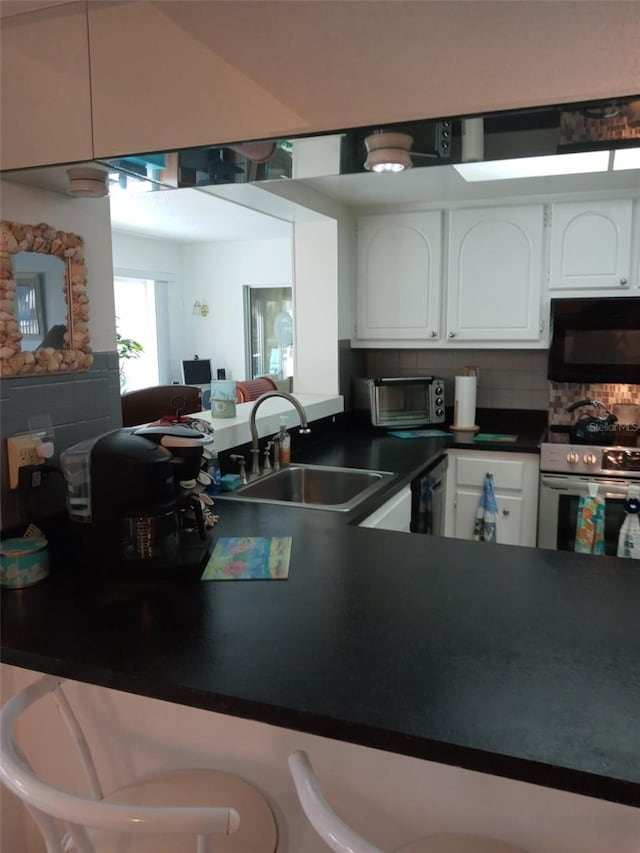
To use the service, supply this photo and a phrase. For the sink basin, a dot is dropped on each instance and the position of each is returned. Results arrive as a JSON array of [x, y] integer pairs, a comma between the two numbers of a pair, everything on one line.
[[313, 486]]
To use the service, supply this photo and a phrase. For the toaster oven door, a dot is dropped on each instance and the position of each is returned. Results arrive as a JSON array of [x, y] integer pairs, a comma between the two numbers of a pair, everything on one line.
[[402, 403]]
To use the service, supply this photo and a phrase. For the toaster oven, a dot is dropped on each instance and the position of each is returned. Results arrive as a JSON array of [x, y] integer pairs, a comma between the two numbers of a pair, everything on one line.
[[401, 402]]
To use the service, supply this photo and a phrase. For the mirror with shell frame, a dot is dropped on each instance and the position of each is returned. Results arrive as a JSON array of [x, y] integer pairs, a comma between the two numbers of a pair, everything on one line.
[[44, 307]]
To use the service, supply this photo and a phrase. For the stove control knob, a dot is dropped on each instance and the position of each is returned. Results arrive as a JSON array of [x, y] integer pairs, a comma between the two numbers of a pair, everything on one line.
[[439, 401], [572, 457], [589, 459]]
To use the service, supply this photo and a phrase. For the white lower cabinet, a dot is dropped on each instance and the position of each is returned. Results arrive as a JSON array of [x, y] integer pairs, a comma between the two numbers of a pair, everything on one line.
[[515, 480], [395, 514]]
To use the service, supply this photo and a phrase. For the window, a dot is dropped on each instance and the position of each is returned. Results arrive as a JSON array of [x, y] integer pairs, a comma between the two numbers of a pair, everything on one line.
[[135, 301], [29, 295], [269, 331]]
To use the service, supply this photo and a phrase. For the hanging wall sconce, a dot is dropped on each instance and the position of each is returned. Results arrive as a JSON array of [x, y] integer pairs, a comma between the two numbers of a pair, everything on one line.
[[200, 309], [388, 152]]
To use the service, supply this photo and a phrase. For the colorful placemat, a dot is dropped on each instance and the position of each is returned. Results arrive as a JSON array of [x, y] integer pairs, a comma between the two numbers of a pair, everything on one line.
[[249, 558], [417, 433], [495, 436]]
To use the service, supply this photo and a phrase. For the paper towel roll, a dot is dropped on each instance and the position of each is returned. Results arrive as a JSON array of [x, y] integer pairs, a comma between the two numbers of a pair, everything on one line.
[[464, 411]]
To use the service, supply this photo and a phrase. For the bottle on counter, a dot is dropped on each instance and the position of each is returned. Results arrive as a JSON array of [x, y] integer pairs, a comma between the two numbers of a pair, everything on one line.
[[284, 442], [215, 474]]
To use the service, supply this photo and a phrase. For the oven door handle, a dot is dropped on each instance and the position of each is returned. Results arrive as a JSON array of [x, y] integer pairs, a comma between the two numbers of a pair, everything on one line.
[[606, 488]]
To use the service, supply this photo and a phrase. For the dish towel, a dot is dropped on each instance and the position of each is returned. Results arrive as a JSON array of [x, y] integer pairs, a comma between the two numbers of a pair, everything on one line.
[[629, 536], [484, 528], [590, 525]]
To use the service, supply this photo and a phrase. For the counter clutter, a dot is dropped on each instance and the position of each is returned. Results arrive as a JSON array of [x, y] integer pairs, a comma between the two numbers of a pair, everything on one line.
[[517, 662]]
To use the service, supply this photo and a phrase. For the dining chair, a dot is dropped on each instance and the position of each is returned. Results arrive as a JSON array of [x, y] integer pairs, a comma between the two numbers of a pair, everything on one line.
[[341, 838], [193, 809], [149, 404]]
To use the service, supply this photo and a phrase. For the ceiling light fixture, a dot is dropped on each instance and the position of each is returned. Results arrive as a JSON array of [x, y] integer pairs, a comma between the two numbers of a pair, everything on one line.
[[87, 182], [535, 167], [388, 152], [626, 158]]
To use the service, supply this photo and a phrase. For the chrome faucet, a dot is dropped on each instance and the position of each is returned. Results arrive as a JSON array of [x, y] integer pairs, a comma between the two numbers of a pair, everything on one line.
[[255, 448]]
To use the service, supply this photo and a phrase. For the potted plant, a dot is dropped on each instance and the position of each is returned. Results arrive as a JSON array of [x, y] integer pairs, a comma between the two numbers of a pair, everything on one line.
[[127, 348]]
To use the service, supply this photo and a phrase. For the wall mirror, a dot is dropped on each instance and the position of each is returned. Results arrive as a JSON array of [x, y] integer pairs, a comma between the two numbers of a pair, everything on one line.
[[44, 307]]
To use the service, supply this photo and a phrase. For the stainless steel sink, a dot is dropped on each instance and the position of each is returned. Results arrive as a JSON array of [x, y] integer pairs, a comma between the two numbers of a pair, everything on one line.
[[313, 486]]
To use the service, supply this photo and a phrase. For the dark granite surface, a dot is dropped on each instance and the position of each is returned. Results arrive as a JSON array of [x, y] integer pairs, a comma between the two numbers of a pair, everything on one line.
[[519, 662]]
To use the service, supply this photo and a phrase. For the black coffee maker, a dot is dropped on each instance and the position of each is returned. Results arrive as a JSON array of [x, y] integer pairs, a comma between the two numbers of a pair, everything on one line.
[[125, 502]]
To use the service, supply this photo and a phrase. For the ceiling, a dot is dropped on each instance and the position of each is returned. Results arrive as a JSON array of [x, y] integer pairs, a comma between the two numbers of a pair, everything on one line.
[[440, 184], [186, 215], [201, 215], [192, 216]]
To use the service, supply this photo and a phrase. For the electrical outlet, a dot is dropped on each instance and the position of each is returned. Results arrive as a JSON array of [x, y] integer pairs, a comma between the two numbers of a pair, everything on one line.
[[22, 450]]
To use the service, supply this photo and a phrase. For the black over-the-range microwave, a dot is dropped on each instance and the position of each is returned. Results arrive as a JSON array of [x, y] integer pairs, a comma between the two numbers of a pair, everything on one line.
[[595, 340]]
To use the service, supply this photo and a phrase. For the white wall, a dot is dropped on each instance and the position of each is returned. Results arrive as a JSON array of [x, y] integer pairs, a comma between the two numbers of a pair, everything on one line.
[[89, 218], [217, 272], [145, 254], [214, 272], [316, 308]]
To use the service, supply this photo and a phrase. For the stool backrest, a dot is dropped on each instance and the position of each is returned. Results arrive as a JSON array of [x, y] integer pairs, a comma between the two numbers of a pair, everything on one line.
[[47, 803], [251, 389], [149, 404], [340, 837]]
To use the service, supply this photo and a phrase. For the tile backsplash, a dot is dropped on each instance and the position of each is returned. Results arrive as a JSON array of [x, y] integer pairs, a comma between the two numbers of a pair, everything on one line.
[[508, 379], [81, 405], [623, 398]]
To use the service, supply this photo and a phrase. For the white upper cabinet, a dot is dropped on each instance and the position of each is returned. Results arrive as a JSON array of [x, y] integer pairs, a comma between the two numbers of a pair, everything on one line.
[[495, 274], [44, 87], [399, 259], [590, 246]]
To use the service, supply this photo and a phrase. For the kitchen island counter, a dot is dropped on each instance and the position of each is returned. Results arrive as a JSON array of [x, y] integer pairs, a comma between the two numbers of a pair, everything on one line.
[[518, 662]]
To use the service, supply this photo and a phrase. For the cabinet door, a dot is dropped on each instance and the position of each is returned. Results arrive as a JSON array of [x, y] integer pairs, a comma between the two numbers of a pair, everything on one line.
[[495, 274], [44, 87], [395, 514], [515, 478], [590, 245], [509, 526], [398, 293]]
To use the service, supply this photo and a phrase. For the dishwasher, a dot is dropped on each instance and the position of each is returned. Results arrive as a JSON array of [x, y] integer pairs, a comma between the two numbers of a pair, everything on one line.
[[428, 498]]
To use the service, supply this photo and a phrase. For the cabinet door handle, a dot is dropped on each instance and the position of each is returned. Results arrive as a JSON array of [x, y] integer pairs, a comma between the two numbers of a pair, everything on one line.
[[452, 334], [506, 512], [623, 281], [433, 334]]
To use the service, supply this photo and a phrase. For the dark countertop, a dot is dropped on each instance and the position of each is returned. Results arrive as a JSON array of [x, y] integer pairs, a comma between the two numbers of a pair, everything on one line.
[[519, 662]]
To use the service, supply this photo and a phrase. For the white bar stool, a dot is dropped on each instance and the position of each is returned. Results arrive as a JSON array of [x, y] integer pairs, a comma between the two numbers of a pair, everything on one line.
[[341, 838], [170, 812]]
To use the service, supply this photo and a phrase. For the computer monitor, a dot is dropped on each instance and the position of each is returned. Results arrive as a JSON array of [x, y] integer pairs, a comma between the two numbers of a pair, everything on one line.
[[196, 371]]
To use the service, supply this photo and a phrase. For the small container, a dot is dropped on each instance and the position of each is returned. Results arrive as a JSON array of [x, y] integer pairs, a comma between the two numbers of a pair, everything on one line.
[[215, 474], [223, 398], [284, 442], [23, 562]]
